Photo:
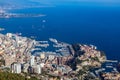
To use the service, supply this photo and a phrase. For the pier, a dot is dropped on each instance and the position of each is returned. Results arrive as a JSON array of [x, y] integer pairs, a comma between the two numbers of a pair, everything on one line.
[[115, 61]]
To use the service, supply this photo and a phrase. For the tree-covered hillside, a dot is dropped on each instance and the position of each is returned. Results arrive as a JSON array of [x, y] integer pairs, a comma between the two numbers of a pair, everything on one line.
[[11, 76]]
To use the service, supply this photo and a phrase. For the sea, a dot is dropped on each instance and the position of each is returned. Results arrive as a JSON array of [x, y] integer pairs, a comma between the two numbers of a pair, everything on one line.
[[99, 26]]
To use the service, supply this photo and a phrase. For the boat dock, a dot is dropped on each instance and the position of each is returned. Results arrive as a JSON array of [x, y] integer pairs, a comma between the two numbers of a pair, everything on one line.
[[115, 61]]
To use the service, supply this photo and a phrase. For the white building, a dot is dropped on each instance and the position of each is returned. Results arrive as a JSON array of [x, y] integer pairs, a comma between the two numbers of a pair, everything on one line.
[[32, 60], [9, 35], [37, 69], [25, 67], [51, 57], [42, 55], [16, 68], [42, 65]]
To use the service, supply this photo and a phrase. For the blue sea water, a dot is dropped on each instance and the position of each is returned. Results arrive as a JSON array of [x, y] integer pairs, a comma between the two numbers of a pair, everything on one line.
[[99, 26]]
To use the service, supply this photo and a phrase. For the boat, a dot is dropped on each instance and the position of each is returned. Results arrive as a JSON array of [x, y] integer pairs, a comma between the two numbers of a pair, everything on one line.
[[2, 29], [53, 40]]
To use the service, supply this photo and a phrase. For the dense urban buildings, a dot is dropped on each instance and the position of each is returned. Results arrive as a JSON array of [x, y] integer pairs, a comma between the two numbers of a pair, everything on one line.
[[66, 62]]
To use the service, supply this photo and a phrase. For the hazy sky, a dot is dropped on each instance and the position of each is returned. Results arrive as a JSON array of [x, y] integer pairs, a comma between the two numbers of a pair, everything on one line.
[[101, 1], [65, 2], [79, 2]]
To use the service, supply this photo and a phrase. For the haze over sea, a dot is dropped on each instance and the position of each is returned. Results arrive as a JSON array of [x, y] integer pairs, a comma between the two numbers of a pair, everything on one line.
[[97, 25]]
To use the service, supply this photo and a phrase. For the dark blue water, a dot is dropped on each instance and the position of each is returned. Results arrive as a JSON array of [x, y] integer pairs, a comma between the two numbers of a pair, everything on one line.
[[89, 25]]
